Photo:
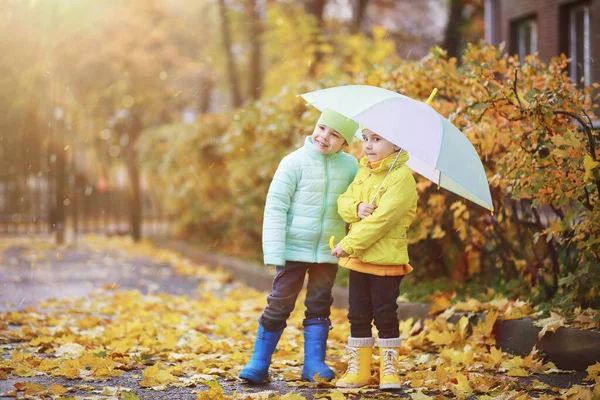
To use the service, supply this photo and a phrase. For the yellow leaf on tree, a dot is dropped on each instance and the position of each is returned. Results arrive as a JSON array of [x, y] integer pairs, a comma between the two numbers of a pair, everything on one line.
[[589, 164]]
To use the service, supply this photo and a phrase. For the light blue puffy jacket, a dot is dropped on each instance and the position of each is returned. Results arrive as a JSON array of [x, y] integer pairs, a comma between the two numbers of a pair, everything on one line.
[[301, 208]]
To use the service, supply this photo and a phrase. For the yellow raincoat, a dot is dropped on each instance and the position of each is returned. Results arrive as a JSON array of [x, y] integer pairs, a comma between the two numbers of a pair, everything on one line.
[[378, 243]]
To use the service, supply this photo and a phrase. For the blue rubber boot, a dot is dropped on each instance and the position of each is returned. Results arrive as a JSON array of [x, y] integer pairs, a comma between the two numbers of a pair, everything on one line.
[[257, 369], [316, 331]]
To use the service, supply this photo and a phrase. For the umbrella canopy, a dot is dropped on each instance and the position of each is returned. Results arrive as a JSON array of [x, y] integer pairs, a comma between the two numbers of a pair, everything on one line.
[[437, 149]]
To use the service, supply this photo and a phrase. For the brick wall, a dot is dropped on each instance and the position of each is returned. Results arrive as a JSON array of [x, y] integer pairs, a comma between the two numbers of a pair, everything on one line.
[[551, 20]]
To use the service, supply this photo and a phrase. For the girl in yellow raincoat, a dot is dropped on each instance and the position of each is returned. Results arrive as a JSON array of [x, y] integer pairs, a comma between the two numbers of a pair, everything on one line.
[[375, 251]]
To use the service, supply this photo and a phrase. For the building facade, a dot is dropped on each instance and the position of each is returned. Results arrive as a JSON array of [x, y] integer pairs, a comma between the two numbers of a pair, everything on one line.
[[549, 27]]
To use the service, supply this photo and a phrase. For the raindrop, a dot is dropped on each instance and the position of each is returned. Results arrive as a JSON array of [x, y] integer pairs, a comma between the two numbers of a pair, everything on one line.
[[105, 134], [16, 218], [88, 190], [53, 158], [163, 75], [66, 147], [66, 202], [114, 151]]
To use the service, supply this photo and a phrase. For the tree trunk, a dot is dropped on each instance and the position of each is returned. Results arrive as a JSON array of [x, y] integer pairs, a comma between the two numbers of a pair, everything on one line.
[[255, 70], [135, 190], [358, 14], [452, 36], [236, 97], [316, 8]]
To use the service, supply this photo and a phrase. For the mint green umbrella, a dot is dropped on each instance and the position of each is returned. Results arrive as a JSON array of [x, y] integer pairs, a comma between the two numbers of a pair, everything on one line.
[[437, 149]]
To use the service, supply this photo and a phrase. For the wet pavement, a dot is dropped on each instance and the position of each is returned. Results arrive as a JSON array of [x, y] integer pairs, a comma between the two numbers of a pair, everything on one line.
[[30, 274]]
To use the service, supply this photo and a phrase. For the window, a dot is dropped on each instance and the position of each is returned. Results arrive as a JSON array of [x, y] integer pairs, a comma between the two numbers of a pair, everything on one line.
[[579, 44], [524, 35]]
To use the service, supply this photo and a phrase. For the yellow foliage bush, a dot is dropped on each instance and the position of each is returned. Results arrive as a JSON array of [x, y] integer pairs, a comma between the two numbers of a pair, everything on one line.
[[521, 116]]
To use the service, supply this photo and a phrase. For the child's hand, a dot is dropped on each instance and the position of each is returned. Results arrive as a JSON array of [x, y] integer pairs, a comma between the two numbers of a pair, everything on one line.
[[338, 252], [365, 209]]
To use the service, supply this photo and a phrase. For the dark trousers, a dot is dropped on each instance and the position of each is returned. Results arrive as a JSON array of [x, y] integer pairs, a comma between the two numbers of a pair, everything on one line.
[[287, 285], [371, 298]]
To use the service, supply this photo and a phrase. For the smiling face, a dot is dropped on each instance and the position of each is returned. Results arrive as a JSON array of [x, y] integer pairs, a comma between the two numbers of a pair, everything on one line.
[[327, 140], [375, 147]]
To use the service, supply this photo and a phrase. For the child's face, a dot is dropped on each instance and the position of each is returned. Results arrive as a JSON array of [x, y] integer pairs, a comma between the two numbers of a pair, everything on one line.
[[375, 147], [327, 140]]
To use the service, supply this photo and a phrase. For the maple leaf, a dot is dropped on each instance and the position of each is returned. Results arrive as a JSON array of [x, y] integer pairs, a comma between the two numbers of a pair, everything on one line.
[[589, 165], [128, 396], [57, 390], [157, 375], [579, 393], [439, 303], [462, 389], [295, 396], [593, 371], [419, 395], [29, 388], [69, 369], [550, 324], [440, 338]]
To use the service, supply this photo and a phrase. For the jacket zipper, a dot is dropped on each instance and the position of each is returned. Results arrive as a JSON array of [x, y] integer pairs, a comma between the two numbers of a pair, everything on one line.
[[323, 208]]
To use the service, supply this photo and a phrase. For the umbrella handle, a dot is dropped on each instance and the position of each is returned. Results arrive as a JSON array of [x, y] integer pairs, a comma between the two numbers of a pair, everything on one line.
[[431, 96], [331, 239]]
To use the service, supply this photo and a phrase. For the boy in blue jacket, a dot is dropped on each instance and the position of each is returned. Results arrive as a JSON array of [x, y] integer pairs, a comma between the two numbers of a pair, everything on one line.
[[300, 216]]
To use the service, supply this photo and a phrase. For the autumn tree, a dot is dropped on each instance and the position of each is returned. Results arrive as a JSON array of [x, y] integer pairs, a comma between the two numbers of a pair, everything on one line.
[[133, 80]]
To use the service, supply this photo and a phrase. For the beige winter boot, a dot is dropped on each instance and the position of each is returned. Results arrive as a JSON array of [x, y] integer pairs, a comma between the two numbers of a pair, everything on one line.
[[388, 363], [358, 373]]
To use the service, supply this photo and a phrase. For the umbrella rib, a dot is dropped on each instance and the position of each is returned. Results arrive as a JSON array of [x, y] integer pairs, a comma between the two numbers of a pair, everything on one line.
[[386, 174]]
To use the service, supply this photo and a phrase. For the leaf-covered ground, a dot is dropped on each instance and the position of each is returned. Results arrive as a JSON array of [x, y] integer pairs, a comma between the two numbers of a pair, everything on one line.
[[158, 326]]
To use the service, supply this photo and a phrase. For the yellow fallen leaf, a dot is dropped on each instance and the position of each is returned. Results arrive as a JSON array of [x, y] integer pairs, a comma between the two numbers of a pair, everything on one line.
[[296, 396], [463, 386], [462, 327], [157, 375], [550, 324], [517, 372], [495, 355], [593, 371], [69, 369], [440, 338], [579, 393], [29, 388], [419, 395], [57, 390], [23, 369], [439, 304], [129, 396]]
